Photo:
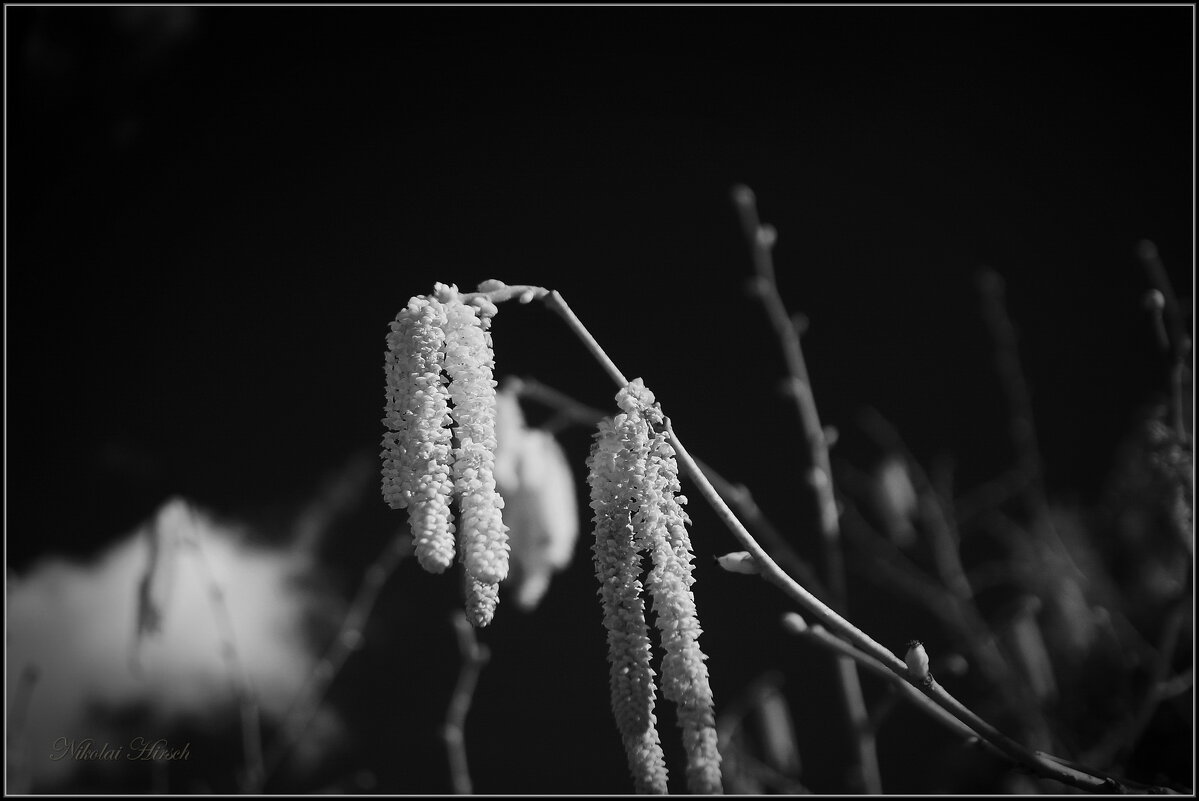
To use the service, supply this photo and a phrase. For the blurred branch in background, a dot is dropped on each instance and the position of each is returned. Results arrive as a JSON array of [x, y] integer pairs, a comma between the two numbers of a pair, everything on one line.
[[181, 516], [1172, 332], [1070, 631], [348, 639], [757, 741], [474, 658], [865, 776]]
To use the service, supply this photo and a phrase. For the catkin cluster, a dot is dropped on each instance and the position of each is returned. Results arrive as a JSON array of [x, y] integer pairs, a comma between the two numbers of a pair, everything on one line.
[[638, 509], [440, 391]]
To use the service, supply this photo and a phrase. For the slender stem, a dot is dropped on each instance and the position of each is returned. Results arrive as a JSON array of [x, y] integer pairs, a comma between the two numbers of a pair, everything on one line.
[[774, 574], [1037, 763], [944, 542], [1021, 427], [761, 239], [820, 477], [349, 638], [250, 727], [474, 658], [736, 495], [819, 635], [557, 303]]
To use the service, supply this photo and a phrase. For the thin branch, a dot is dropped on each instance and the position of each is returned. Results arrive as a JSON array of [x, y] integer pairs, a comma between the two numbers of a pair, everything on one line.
[[474, 658], [944, 542], [1179, 341], [1021, 425], [1037, 763], [820, 477], [1118, 745], [1011, 376], [737, 495], [819, 635], [498, 292], [349, 638], [251, 731], [855, 636], [762, 239]]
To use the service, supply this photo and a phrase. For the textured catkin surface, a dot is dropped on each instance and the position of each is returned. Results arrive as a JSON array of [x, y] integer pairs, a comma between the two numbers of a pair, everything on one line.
[[617, 566], [469, 363], [635, 492], [416, 446]]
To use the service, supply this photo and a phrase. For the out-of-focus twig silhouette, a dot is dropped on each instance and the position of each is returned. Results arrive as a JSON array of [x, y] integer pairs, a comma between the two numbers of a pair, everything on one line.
[[474, 658], [761, 240], [254, 770], [1172, 331], [349, 638]]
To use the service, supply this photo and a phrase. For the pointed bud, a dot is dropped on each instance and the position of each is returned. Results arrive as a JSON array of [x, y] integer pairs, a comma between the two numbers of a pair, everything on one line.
[[740, 562]]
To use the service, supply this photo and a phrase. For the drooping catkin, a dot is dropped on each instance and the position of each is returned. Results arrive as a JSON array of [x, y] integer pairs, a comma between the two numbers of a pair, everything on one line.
[[660, 522], [439, 366], [617, 566], [635, 492], [416, 445], [481, 600], [469, 363]]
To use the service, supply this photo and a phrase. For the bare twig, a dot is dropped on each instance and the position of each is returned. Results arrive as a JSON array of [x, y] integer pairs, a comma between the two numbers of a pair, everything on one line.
[[819, 635], [736, 495], [1037, 763], [242, 687], [474, 658], [1011, 376], [1118, 745], [933, 702], [1020, 421], [820, 477], [859, 639], [762, 239], [349, 638], [944, 542]]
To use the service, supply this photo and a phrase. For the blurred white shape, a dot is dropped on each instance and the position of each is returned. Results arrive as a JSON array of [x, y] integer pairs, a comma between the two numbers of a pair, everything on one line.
[[895, 500], [1024, 639], [776, 729], [540, 507], [75, 624]]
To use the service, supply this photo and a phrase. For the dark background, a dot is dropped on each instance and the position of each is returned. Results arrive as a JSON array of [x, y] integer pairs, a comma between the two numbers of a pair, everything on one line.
[[213, 213]]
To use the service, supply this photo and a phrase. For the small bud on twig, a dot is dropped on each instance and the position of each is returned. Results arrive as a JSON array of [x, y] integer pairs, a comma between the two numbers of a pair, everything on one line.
[[917, 662], [740, 562]]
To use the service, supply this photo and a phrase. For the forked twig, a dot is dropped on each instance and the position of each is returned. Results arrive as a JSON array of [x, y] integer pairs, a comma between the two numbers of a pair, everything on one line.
[[1035, 762]]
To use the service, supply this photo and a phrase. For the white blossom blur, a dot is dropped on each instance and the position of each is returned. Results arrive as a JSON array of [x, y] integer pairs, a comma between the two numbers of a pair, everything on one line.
[[540, 507]]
